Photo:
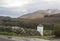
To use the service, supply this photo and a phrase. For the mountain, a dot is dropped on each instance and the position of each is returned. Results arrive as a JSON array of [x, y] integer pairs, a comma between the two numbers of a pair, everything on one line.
[[53, 19], [40, 14], [37, 14], [7, 18], [4, 17]]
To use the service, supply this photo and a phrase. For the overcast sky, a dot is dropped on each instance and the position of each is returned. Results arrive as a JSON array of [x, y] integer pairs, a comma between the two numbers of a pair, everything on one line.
[[16, 8]]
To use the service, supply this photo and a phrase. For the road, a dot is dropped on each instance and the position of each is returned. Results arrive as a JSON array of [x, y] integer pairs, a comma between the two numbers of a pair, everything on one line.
[[10, 38], [5, 39]]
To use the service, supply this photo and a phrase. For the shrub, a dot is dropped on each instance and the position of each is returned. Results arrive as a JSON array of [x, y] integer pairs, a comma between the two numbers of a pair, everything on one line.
[[32, 32], [47, 32], [57, 30]]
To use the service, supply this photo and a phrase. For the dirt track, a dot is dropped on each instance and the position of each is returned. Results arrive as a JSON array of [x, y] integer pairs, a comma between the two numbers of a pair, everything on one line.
[[10, 38]]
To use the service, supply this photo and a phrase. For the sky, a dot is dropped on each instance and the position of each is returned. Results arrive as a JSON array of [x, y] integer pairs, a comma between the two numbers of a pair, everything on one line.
[[16, 8]]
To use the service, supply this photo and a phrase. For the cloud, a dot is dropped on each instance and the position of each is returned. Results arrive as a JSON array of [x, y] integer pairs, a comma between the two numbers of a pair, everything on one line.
[[17, 3], [13, 3], [15, 8], [8, 12], [21, 3]]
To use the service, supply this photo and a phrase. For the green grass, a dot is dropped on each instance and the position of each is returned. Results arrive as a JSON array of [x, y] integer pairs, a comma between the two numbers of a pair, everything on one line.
[[47, 32], [9, 33]]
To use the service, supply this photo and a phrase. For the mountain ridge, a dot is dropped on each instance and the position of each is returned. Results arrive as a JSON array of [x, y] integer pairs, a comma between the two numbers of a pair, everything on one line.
[[39, 14]]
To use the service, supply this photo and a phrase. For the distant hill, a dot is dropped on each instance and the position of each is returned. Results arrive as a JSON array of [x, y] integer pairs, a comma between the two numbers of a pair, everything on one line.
[[34, 15], [55, 15], [8, 18], [4, 17], [39, 14], [55, 18]]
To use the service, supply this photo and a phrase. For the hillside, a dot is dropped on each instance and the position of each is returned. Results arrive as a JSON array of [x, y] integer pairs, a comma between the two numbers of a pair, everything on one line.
[[42, 16], [34, 15], [39, 14], [55, 18]]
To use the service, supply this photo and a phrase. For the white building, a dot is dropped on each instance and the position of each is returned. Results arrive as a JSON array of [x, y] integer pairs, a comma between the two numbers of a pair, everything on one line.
[[40, 29]]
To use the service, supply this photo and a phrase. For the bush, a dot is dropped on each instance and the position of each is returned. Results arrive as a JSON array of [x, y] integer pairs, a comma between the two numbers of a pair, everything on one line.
[[47, 32], [32, 32], [57, 30], [27, 32]]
